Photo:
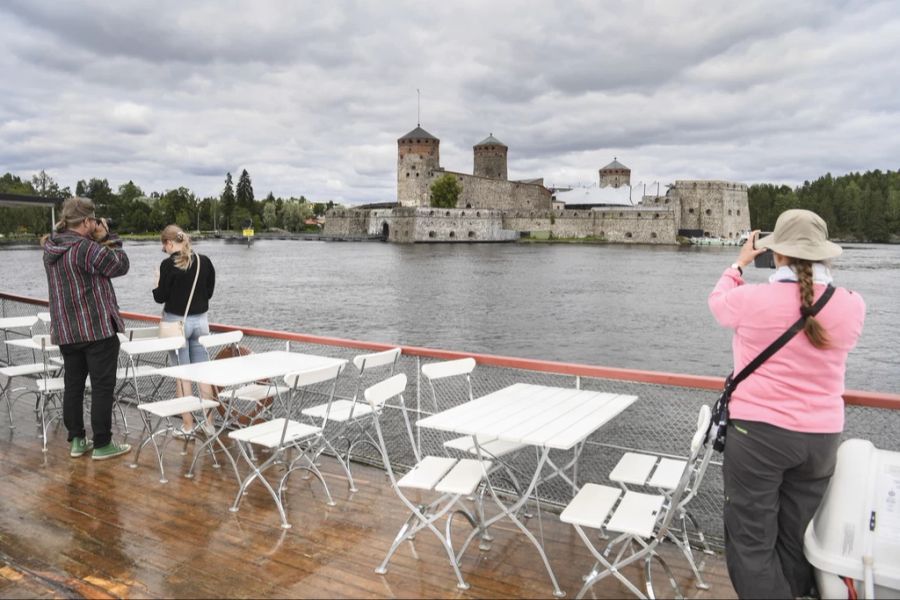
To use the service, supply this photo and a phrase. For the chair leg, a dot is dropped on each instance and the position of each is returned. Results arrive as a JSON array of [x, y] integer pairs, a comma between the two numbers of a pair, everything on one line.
[[398, 539], [344, 465], [648, 578]]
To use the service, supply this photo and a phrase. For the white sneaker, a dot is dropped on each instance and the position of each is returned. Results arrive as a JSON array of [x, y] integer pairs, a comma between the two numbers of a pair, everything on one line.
[[182, 434], [207, 428]]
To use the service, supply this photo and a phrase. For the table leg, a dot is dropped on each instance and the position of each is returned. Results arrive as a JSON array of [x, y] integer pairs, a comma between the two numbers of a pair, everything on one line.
[[510, 511]]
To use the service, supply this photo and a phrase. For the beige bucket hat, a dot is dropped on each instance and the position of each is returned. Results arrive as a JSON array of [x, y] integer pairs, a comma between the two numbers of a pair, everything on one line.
[[801, 234]]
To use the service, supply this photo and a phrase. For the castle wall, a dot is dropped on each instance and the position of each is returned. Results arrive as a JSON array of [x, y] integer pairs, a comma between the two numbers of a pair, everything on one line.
[[718, 208], [493, 194], [346, 223], [625, 224]]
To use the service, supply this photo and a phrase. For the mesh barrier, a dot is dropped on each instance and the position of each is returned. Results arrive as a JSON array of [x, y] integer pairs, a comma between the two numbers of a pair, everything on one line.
[[661, 422]]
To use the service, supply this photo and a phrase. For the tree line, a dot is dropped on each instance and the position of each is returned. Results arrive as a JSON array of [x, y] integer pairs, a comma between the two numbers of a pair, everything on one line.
[[134, 211], [858, 206], [862, 207]]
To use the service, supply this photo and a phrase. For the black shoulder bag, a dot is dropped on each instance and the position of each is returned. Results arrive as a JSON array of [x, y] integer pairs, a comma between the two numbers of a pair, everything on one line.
[[718, 424]]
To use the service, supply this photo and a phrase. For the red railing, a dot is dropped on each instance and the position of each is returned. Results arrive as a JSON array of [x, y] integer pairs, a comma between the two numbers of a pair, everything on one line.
[[854, 397]]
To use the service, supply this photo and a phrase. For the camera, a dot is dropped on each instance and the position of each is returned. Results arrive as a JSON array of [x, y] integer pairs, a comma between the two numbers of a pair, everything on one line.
[[766, 260], [110, 223]]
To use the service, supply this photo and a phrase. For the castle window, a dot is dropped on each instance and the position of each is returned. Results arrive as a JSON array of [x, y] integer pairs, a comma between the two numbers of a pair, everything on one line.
[[478, 214], [639, 214], [621, 214], [708, 212], [413, 167], [468, 205], [431, 234], [653, 235], [462, 214], [575, 214], [667, 200], [628, 234], [460, 178], [453, 234], [690, 211], [430, 213], [471, 235], [447, 214], [655, 215], [407, 174], [417, 174], [729, 212], [738, 213]]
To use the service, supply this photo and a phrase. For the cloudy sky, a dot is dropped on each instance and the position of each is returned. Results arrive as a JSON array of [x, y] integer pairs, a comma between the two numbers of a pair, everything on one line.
[[310, 98]]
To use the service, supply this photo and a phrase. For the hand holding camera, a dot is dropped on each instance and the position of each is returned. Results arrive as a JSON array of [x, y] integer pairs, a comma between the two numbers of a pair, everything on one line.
[[750, 253], [765, 259]]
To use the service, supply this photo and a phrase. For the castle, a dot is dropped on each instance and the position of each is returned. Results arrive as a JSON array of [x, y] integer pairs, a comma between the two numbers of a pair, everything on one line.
[[491, 208]]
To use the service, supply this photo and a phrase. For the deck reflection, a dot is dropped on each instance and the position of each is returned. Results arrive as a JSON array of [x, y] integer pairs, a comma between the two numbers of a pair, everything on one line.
[[78, 528]]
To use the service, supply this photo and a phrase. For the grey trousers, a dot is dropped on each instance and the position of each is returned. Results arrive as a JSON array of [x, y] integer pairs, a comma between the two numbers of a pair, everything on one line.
[[774, 482]]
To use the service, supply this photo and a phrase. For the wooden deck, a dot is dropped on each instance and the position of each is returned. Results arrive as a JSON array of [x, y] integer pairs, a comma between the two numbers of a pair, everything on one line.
[[79, 528]]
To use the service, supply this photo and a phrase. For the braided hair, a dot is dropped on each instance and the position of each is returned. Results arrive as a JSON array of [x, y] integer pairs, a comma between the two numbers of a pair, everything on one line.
[[814, 331]]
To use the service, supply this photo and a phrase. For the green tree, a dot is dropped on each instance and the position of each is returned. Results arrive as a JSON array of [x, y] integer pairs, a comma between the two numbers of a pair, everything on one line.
[[445, 191], [227, 203], [244, 196], [270, 215]]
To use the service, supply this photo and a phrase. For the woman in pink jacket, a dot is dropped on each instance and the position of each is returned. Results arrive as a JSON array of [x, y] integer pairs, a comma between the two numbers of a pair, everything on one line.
[[788, 415]]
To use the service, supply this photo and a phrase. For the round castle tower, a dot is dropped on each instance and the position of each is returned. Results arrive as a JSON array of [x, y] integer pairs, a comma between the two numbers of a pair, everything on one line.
[[418, 157], [615, 174], [490, 158]]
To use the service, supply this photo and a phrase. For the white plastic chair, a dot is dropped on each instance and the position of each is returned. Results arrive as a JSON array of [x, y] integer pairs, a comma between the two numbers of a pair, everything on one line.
[[354, 417], [642, 519], [49, 386], [133, 370], [282, 434], [663, 474], [9, 371], [10, 325], [254, 394], [164, 410], [450, 478]]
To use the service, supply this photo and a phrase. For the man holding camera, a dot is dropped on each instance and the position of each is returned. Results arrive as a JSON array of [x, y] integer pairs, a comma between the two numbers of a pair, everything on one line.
[[81, 257]]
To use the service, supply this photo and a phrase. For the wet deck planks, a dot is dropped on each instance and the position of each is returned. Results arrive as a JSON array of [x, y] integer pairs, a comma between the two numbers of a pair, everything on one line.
[[78, 528]]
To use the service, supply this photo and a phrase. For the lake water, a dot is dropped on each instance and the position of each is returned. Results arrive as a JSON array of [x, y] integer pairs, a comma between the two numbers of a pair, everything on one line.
[[641, 307]]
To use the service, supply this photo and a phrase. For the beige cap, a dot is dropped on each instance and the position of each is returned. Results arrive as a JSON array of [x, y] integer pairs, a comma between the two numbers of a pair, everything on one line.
[[801, 234]]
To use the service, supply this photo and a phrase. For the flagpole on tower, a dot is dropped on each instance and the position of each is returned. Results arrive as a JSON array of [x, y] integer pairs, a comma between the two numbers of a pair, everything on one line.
[[418, 108]]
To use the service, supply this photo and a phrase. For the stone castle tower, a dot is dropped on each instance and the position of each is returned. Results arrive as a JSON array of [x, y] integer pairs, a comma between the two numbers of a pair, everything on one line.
[[615, 174], [490, 158], [418, 157]]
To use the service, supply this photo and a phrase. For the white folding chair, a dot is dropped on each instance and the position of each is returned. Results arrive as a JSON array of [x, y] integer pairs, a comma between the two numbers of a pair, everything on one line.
[[252, 394], [663, 474], [643, 520], [135, 351], [9, 370], [13, 325], [49, 386], [164, 410], [280, 435], [354, 417], [450, 478]]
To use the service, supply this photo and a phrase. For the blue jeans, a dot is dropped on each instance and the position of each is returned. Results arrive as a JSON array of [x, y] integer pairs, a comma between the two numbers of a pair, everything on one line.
[[194, 327]]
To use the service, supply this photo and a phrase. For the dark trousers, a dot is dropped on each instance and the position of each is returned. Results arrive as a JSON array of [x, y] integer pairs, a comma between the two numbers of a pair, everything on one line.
[[774, 482], [99, 360]]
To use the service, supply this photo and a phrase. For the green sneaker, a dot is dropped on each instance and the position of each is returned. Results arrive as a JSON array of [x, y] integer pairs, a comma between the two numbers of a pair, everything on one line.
[[111, 450], [80, 446]]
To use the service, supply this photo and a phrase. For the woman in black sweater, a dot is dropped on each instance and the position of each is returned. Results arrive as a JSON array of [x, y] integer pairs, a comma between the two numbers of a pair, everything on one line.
[[173, 288]]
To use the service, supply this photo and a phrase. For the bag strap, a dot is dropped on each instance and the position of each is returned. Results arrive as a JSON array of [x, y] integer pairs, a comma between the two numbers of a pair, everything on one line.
[[193, 287], [731, 383]]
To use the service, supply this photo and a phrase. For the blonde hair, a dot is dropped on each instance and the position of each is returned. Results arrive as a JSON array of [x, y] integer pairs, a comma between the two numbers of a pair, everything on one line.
[[814, 331], [174, 233], [74, 211]]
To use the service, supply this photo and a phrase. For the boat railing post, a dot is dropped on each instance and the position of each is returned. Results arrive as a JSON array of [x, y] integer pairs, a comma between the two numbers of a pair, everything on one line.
[[578, 382], [418, 403]]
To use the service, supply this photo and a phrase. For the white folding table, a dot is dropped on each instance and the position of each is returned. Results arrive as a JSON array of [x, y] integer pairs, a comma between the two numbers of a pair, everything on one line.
[[549, 418], [12, 324], [241, 370]]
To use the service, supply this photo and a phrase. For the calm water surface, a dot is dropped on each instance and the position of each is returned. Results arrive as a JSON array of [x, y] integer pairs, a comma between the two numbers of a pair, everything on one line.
[[637, 307]]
